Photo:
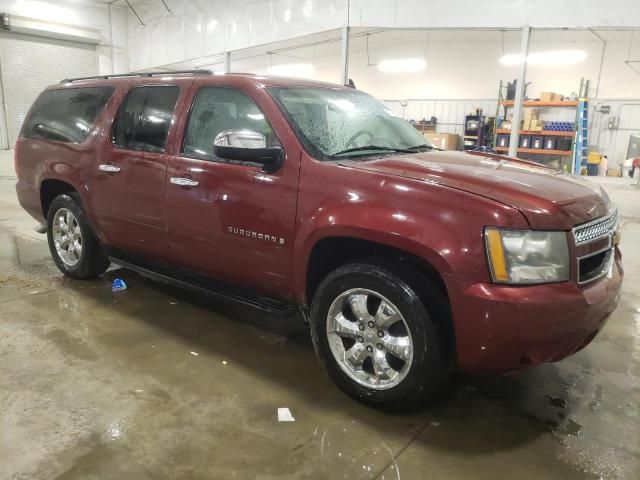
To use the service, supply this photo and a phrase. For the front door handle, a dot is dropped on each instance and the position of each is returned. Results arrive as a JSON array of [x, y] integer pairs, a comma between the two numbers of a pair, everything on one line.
[[184, 182], [109, 168]]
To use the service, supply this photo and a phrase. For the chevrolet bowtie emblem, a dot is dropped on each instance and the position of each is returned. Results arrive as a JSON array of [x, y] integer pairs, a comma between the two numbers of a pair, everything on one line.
[[616, 237], [243, 232]]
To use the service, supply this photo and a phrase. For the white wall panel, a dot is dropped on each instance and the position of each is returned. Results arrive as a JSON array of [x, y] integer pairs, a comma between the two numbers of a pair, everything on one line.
[[56, 14], [465, 63], [614, 142], [449, 113], [206, 28], [492, 14], [56, 60]]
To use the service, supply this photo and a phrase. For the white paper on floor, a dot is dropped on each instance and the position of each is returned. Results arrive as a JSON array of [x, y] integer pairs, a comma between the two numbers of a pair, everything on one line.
[[284, 415]]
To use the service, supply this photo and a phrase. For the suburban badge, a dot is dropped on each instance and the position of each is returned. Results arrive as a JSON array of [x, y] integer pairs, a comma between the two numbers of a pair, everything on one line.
[[253, 234]]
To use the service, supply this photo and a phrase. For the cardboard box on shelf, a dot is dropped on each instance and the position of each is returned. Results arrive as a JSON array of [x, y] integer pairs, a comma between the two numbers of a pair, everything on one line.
[[546, 96], [557, 97], [446, 141], [536, 125]]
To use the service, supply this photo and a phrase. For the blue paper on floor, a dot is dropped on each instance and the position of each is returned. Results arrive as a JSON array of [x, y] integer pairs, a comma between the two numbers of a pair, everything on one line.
[[118, 285]]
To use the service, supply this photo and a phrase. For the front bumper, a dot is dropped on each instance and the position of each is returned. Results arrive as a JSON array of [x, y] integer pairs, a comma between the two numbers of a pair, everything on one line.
[[505, 328]]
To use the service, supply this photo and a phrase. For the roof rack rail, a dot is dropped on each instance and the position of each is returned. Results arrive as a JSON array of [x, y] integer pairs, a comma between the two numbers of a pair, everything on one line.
[[143, 74]]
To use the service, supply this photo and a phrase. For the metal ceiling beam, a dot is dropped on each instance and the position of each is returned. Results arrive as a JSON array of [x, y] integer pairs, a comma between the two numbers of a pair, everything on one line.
[[134, 12], [165, 6]]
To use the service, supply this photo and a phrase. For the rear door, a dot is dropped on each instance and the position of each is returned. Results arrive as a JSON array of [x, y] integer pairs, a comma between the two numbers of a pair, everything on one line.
[[128, 195], [228, 219]]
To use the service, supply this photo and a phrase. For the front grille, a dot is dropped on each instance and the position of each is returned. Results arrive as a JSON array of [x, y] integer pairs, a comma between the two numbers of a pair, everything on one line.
[[597, 263], [596, 229], [594, 266]]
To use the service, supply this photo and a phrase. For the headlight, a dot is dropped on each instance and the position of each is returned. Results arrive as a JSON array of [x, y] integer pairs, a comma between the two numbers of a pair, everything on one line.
[[527, 256]]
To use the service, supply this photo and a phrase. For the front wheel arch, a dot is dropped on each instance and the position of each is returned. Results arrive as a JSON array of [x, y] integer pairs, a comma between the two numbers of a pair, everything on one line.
[[330, 252]]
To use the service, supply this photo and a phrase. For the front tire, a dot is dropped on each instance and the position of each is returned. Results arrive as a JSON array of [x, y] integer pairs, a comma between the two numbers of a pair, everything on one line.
[[74, 246], [376, 337]]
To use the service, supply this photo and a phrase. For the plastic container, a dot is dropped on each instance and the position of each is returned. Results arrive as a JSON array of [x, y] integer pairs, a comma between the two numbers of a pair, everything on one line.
[[550, 142], [564, 143], [537, 142], [503, 140]]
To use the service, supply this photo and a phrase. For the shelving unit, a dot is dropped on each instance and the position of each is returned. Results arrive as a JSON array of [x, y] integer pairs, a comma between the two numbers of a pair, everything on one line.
[[578, 152], [538, 103], [549, 133], [563, 153]]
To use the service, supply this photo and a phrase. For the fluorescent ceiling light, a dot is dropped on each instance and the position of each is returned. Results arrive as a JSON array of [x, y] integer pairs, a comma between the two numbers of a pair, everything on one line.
[[511, 59], [552, 57], [557, 57], [293, 70], [402, 65]]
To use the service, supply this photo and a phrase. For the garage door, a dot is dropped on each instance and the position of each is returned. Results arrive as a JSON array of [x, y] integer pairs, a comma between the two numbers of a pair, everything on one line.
[[29, 64]]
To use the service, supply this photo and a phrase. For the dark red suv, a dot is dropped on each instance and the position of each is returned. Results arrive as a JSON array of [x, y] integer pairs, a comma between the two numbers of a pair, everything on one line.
[[292, 195]]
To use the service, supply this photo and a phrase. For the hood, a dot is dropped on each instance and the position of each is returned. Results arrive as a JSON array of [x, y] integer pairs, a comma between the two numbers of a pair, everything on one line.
[[547, 198]]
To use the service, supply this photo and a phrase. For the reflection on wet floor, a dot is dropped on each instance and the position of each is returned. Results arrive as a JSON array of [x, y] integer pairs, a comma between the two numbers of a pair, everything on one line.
[[157, 382]]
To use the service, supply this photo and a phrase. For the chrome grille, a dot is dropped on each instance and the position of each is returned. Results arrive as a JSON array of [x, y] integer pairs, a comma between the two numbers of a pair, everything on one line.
[[596, 229]]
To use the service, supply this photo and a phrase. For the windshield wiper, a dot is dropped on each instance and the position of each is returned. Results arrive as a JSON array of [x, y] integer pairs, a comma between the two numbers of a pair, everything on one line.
[[423, 145], [373, 147]]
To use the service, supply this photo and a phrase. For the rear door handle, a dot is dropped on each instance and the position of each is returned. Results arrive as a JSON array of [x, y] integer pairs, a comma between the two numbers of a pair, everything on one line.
[[184, 182], [109, 168]]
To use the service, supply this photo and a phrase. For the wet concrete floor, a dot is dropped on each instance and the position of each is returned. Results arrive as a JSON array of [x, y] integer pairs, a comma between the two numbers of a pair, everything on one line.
[[156, 382]]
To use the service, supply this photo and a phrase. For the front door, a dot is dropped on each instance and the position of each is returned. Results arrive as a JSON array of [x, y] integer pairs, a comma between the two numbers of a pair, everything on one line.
[[228, 219], [129, 186]]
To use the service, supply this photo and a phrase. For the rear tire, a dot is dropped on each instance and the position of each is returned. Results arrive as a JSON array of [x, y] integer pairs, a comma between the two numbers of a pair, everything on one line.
[[74, 246], [374, 328]]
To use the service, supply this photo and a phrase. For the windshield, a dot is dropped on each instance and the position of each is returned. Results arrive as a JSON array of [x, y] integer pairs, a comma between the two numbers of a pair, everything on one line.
[[337, 123]]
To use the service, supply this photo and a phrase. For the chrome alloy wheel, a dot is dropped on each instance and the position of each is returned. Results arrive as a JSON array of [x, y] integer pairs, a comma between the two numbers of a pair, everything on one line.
[[369, 338], [67, 237]]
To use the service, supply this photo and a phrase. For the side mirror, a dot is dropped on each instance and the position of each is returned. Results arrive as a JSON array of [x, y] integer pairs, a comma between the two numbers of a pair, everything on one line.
[[247, 146]]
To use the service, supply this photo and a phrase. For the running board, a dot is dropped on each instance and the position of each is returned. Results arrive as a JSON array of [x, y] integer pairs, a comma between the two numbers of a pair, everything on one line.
[[200, 283]]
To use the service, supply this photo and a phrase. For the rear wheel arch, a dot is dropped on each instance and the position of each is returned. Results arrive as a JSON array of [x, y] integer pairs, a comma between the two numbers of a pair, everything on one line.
[[50, 188]]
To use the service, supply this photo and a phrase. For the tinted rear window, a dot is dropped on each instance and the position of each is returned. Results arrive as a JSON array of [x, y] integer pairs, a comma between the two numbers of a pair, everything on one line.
[[145, 117], [66, 115]]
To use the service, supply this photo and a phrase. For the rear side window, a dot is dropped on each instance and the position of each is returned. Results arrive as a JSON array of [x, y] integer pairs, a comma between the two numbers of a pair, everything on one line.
[[66, 115], [145, 117]]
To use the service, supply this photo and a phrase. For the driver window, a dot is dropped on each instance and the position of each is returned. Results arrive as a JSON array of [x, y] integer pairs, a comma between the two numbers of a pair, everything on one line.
[[216, 109]]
